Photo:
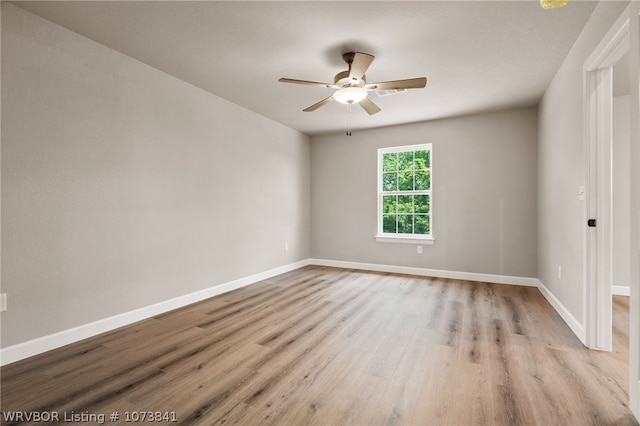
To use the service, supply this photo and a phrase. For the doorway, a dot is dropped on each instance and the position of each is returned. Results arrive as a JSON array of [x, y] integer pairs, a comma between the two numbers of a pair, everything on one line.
[[599, 72], [620, 180], [623, 37]]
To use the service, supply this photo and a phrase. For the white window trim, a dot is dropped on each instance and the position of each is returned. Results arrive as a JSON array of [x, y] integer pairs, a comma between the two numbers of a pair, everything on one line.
[[411, 239], [402, 238]]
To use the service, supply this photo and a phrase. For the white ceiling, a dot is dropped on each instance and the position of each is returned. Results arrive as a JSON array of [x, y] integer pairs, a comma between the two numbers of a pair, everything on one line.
[[477, 55]]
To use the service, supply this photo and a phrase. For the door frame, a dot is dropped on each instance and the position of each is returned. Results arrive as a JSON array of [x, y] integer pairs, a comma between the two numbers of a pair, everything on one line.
[[598, 105], [634, 301], [623, 36]]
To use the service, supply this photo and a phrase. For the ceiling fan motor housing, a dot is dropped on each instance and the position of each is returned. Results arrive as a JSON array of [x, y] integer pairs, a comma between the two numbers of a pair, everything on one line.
[[342, 80]]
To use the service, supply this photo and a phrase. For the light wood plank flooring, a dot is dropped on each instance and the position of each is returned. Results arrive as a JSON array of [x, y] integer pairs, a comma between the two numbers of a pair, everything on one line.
[[325, 346]]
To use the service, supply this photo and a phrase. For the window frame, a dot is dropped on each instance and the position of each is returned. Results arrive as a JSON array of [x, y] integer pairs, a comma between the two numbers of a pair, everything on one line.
[[397, 237]]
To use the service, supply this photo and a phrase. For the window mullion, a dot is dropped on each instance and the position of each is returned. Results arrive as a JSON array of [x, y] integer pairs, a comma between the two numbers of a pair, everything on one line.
[[419, 192]]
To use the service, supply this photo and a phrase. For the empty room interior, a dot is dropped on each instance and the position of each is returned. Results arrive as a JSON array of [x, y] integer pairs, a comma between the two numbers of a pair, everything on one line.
[[320, 213]]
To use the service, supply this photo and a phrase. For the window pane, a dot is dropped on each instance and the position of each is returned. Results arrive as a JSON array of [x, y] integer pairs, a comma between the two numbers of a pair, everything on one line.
[[405, 224], [390, 162], [422, 223], [421, 203], [423, 180], [389, 223], [423, 160], [405, 203], [405, 161], [390, 182], [405, 174], [405, 181], [389, 204]]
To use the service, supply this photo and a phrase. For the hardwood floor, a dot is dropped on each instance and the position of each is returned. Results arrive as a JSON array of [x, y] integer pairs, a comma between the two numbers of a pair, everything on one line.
[[324, 346]]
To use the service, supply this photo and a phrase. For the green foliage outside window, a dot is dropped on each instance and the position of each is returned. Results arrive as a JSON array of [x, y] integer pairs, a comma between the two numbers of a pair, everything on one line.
[[404, 175]]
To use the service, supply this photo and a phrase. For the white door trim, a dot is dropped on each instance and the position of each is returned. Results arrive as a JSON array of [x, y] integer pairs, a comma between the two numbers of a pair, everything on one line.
[[634, 301], [598, 107], [623, 36]]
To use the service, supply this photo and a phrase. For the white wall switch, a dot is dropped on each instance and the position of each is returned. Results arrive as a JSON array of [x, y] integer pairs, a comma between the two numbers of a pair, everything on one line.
[[3, 302], [419, 249]]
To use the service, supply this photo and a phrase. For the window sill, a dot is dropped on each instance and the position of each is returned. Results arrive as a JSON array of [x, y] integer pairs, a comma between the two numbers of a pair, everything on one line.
[[405, 240]]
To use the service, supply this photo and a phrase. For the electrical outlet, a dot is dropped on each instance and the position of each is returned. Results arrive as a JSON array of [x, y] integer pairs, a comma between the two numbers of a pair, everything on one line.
[[3, 302], [286, 246], [560, 272], [419, 249]]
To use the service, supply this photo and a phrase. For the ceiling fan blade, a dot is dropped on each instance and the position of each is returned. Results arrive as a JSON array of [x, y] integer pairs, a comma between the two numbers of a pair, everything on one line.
[[368, 105], [319, 104], [307, 83], [411, 83], [359, 66]]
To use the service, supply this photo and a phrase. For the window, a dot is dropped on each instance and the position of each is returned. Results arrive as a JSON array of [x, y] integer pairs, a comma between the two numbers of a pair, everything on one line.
[[404, 194]]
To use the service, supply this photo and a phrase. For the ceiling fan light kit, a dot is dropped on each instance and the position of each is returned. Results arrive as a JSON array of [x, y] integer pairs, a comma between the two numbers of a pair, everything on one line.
[[553, 4], [352, 87], [350, 95]]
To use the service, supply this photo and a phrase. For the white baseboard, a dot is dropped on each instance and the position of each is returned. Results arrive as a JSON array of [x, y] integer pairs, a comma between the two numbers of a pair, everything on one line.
[[43, 344], [564, 313], [620, 290], [46, 343], [436, 273]]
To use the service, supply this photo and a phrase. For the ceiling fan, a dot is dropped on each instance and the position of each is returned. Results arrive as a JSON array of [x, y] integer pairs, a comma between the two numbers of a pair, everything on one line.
[[352, 86]]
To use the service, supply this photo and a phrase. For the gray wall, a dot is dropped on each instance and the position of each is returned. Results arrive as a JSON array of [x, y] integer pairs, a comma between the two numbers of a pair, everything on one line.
[[561, 167], [123, 186], [484, 194], [621, 247]]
